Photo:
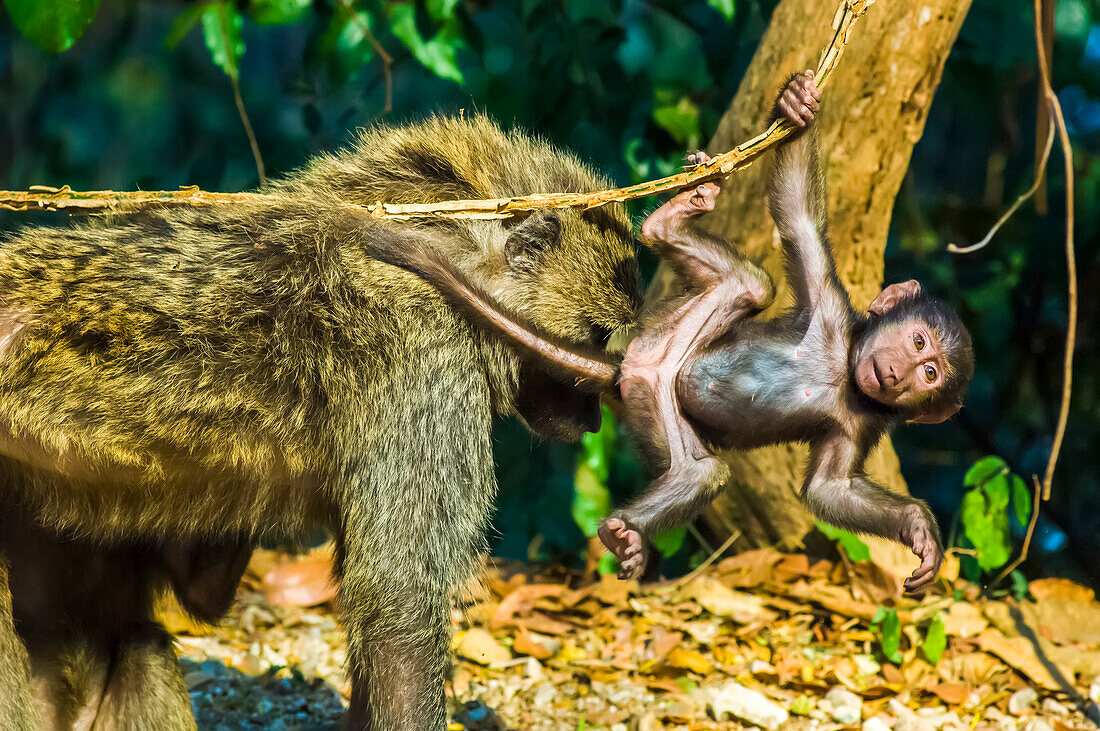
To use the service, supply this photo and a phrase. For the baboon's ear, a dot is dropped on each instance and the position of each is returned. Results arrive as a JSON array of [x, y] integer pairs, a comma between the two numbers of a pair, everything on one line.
[[890, 296], [529, 237]]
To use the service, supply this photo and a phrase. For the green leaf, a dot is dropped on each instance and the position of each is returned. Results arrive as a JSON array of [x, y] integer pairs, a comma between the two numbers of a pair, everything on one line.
[[935, 640], [855, 548], [1020, 587], [221, 29], [609, 564], [182, 25], [591, 498], [986, 529], [680, 118], [984, 469], [346, 38], [55, 25], [725, 7], [438, 53], [1021, 500], [278, 12], [441, 9], [889, 633], [670, 542]]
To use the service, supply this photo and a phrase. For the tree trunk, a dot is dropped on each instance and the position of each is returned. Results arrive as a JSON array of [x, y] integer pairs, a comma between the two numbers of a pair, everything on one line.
[[874, 111]]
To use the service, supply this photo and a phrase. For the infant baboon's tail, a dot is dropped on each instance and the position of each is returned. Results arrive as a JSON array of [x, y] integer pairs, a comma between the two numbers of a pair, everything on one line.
[[592, 370]]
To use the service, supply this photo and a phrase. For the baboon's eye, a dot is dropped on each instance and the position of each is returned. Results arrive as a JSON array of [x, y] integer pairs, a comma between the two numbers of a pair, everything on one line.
[[918, 340], [929, 372]]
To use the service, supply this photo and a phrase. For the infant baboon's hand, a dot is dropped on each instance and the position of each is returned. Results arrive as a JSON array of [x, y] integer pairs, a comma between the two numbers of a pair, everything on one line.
[[924, 541], [799, 100], [684, 205], [627, 546]]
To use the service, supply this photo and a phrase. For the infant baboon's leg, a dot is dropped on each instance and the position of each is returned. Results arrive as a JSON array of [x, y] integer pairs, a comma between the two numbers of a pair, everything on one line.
[[205, 573], [732, 289]]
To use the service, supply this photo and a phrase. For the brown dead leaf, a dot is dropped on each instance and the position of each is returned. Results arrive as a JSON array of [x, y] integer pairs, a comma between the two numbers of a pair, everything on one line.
[[721, 601], [963, 620], [691, 660], [834, 598], [952, 693], [537, 646], [305, 582], [522, 600], [481, 647], [750, 568], [663, 643], [614, 592], [548, 625], [977, 668], [1019, 652], [1050, 588], [1065, 620]]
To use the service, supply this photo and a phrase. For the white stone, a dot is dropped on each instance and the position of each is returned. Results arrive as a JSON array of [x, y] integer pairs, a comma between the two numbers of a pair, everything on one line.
[[1022, 700], [844, 706], [874, 723], [1038, 724], [914, 723], [899, 709], [1053, 707], [748, 705]]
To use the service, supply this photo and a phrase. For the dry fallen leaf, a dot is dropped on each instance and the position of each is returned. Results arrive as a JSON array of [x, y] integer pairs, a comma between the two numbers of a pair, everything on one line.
[[721, 601], [478, 645], [305, 582]]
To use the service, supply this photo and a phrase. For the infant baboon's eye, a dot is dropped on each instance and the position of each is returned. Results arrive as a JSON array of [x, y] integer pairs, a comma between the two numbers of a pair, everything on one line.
[[918, 340], [929, 372]]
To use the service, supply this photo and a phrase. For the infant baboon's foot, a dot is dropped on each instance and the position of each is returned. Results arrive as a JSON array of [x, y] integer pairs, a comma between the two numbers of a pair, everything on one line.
[[626, 545], [684, 205]]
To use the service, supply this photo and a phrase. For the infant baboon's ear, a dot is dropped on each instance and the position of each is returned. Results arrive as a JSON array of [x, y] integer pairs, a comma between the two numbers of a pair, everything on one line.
[[529, 237]]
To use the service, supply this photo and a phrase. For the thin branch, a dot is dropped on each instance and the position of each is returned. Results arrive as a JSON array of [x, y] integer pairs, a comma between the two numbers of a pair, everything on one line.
[[1027, 537], [1048, 95], [247, 129], [1040, 177], [1071, 257], [717, 168], [383, 56]]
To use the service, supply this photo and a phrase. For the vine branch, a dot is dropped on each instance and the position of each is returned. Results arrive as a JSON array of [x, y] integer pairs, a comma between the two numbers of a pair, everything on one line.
[[722, 166]]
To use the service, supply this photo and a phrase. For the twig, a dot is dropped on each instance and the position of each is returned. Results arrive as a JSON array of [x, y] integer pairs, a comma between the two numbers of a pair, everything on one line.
[[710, 559], [1055, 108], [717, 168], [1027, 537], [247, 129], [1040, 177], [383, 56]]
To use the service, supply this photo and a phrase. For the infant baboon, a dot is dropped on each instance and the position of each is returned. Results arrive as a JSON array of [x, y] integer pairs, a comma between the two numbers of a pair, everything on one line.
[[178, 383], [705, 374]]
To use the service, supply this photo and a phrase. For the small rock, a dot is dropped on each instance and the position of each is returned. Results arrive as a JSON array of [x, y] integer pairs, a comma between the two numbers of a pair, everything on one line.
[[847, 706], [1094, 691], [914, 723], [1022, 700], [899, 709], [1038, 724], [875, 723], [619, 727], [1053, 707], [748, 705]]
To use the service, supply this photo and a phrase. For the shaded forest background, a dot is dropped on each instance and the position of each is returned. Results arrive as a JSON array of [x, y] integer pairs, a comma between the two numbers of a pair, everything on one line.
[[137, 102]]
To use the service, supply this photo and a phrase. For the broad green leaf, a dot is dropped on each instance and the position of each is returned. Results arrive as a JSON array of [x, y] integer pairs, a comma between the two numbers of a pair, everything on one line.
[[591, 500], [278, 12], [681, 120], [441, 9], [889, 633], [987, 530], [438, 53], [725, 7], [609, 564], [1021, 500], [221, 29], [935, 640], [855, 548], [182, 25], [345, 39], [670, 542], [983, 469], [998, 491], [55, 25]]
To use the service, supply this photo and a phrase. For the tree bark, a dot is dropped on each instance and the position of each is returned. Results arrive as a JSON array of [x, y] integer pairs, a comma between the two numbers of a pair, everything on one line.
[[873, 112]]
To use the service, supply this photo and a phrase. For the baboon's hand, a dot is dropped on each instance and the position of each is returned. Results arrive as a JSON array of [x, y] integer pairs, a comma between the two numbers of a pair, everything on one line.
[[627, 546], [924, 541]]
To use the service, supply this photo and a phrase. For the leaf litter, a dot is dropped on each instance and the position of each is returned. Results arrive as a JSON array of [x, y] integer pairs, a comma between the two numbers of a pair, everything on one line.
[[759, 640]]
